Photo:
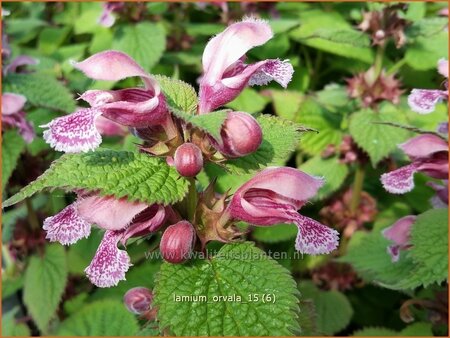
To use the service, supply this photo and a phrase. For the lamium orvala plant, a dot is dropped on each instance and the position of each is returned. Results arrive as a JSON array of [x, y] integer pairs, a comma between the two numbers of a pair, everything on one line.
[[155, 189]]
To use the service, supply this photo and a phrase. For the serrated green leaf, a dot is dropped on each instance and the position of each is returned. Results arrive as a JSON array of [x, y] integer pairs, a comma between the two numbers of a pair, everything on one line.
[[12, 329], [413, 330], [145, 42], [137, 176], [327, 124], [315, 20], [210, 123], [375, 332], [104, 318], [179, 94], [417, 330], [426, 27], [276, 233], [333, 309], [237, 270], [274, 150], [330, 169], [376, 139], [12, 145], [424, 53], [41, 90], [342, 36], [429, 239], [45, 280]]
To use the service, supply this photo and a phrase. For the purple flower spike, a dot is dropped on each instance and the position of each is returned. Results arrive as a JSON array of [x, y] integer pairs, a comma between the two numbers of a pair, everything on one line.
[[429, 155], [399, 233], [423, 101], [226, 74], [75, 132], [66, 227], [109, 265], [273, 196]]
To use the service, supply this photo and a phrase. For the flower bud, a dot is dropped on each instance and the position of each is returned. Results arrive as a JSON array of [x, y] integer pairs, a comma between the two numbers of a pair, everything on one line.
[[188, 160], [177, 242], [138, 300], [241, 135]]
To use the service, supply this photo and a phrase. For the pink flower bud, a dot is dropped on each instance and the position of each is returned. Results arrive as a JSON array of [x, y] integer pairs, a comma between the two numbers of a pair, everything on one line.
[[138, 300], [241, 135], [177, 242], [188, 160]]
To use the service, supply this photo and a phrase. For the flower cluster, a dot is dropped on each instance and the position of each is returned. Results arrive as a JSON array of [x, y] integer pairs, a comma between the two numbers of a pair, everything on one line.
[[273, 196], [428, 153]]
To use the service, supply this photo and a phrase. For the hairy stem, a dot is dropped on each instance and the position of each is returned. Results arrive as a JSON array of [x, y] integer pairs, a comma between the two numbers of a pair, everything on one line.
[[191, 200]]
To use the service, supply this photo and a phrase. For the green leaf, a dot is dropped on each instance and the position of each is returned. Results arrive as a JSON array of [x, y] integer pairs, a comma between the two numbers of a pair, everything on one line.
[[210, 123], [12, 329], [45, 280], [327, 124], [426, 27], [429, 239], [179, 95], [417, 330], [41, 90], [276, 233], [424, 53], [330, 169], [374, 332], [104, 318], [51, 38], [137, 176], [376, 139], [274, 150], [286, 103], [238, 270], [313, 21], [333, 309], [12, 145], [145, 42], [342, 36], [249, 101]]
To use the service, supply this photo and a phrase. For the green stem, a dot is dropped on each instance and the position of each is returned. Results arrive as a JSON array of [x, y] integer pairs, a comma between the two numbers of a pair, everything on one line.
[[379, 61], [191, 200], [357, 188], [32, 217], [396, 66]]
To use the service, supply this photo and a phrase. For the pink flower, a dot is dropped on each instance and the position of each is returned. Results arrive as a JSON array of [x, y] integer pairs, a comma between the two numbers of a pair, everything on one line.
[[138, 300], [121, 219], [13, 115], [225, 74], [133, 107], [423, 101], [107, 19], [440, 200], [429, 155], [399, 233], [273, 196]]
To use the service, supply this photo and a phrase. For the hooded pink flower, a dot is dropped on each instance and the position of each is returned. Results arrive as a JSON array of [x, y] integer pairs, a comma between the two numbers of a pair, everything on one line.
[[107, 19], [13, 115], [133, 107], [273, 196], [399, 233], [440, 200], [429, 155], [121, 219], [423, 101], [225, 74]]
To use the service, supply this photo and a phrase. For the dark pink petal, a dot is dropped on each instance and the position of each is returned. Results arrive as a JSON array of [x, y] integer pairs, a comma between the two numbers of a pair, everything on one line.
[[109, 128], [227, 47], [66, 227], [148, 221], [21, 60], [12, 103], [108, 212], [443, 66], [109, 265], [423, 146], [106, 19], [399, 231], [440, 200], [400, 181], [394, 252], [75, 132], [423, 101], [314, 238], [276, 70], [435, 166], [443, 128], [18, 120]]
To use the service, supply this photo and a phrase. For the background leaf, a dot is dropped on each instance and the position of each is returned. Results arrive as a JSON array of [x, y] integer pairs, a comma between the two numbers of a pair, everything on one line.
[[12, 145]]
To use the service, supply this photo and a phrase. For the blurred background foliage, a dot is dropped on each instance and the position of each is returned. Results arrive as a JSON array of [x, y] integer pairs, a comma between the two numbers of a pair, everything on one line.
[[44, 288]]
